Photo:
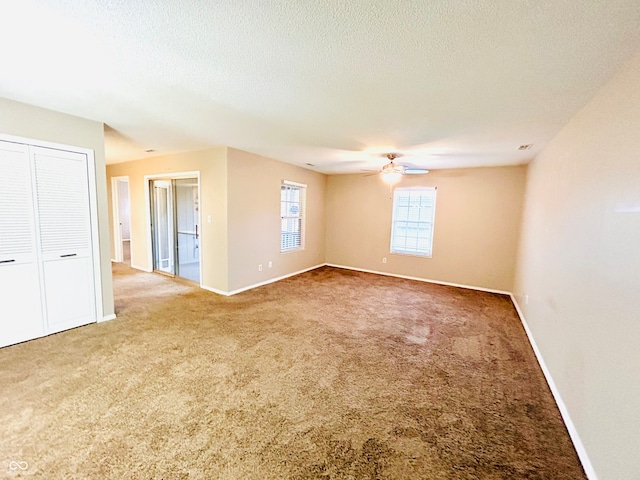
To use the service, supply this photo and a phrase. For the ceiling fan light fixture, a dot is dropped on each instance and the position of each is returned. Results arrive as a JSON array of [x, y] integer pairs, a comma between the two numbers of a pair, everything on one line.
[[391, 173], [391, 177]]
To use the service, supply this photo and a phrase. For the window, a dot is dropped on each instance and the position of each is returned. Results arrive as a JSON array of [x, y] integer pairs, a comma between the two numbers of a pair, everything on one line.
[[292, 199], [412, 224]]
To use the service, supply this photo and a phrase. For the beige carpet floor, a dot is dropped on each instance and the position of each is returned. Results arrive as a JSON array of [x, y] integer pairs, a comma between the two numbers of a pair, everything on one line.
[[331, 374]]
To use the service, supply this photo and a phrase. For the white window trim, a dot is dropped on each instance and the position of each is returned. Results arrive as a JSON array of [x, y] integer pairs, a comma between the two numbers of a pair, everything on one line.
[[293, 184], [393, 222], [303, 205]]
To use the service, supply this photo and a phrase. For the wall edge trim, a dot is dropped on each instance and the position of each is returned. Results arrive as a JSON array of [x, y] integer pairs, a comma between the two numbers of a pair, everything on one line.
[[106, 318], [275, 279], [419, 279], [137, 267], [214, 290], [260, 284], [564, 412]]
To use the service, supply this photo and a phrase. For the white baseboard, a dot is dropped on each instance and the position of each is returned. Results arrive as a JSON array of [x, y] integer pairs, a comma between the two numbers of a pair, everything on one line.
[[573, 433], [215, 290], [144, 269], [419, 279], [106, 318], [276, 279], [256, 285]]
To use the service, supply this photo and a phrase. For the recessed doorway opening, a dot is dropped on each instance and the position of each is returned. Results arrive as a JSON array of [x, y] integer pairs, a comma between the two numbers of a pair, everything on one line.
[[121, 219], [175, 226]]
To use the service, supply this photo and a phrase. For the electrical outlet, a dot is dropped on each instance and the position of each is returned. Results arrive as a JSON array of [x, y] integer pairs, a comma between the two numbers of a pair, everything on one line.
[[260, 267], [384, 259], [270, 264]]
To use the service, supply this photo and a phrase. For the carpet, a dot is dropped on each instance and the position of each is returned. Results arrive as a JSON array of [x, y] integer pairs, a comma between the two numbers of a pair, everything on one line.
[[332, 374]]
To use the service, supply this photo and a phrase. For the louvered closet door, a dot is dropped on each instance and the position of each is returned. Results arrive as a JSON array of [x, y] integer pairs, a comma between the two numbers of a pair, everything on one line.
[[20, 303], [62, 195]]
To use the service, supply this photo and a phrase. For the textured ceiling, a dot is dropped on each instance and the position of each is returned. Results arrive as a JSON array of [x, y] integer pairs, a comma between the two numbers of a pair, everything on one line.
[[450, 83]]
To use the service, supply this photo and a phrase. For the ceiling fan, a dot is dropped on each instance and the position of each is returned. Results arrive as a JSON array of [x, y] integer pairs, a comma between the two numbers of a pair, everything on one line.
[[392, 172]]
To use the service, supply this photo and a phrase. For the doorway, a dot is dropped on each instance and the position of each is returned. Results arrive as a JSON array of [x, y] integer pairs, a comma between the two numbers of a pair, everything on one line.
[[175, 224], [122, 219]]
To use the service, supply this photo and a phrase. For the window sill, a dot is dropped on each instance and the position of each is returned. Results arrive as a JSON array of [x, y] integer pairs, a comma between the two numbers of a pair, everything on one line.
[[293, 250], [408, 254]]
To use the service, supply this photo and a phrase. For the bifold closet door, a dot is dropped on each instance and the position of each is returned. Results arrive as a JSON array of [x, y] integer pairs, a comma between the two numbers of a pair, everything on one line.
[[20, 300], [62, 196]]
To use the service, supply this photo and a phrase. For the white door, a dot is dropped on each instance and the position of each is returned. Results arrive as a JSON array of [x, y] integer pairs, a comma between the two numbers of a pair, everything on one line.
[[20, 300], [62, 196]]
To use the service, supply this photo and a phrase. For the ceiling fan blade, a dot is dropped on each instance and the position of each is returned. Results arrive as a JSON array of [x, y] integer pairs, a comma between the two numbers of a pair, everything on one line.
[[415, 171]]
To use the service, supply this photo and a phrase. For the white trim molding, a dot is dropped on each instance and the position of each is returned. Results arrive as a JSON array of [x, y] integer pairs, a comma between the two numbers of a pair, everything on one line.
[[276, 279], [215, 290], [106, 318], [571, 428], [260, 284], [144, 269], [419, 279]]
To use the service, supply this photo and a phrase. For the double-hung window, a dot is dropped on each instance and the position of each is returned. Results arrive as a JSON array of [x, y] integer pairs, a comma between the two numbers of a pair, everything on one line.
[[292, 204], [412, 223]]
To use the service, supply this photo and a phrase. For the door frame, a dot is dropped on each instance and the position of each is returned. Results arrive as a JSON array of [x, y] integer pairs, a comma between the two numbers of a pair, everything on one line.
[[167, 187], [115, 207], [147, 196], [93, 210]]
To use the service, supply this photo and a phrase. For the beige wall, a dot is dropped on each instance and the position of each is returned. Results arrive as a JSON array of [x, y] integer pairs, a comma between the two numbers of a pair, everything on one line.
[[254, 219], [212, 165], [241, 193], [36, 123], [579, 265], [478, 214]]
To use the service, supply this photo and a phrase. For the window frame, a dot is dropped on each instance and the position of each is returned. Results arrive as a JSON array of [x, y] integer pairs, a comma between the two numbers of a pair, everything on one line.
[[302, 188], [395, 221]]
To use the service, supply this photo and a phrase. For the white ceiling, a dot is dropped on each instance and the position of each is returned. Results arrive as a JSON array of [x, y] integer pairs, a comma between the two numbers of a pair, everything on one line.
[[452, 83]]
